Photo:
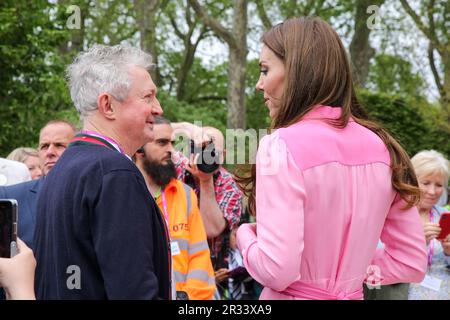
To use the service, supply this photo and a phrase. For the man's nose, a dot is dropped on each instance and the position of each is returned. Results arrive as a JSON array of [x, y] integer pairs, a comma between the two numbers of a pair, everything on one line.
[[170, 149], [51, 151], [156, 108]]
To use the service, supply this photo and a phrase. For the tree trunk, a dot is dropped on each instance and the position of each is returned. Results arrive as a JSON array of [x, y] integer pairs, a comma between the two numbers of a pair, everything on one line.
[[236, 90], [189, 50], [360, 50], [237, 69], [445, 95], [146, 11], [188, 61], [442, 47], [237, 43]]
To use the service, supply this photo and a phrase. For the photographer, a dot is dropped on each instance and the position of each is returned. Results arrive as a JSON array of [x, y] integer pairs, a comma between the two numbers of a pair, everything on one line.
[[219, 196]]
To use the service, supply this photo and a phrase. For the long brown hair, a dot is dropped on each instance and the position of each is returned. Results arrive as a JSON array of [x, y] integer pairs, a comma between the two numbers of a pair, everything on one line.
[[318, 73]]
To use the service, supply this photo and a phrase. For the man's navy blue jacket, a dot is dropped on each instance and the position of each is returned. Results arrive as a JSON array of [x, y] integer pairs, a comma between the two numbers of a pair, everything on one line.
[[99, 227]]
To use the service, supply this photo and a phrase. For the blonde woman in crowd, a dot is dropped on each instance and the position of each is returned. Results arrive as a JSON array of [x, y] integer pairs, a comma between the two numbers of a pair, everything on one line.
[[433, 171], [30, 158]]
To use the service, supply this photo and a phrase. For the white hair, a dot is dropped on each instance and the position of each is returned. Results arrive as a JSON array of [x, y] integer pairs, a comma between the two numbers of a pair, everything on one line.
[[428, 162], [103, 69]]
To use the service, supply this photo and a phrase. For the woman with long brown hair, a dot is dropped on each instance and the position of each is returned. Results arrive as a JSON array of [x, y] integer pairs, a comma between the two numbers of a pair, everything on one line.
[[328, 183]]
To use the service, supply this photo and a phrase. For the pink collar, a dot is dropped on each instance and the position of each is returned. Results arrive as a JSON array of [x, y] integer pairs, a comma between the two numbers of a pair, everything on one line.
[[323, 112]]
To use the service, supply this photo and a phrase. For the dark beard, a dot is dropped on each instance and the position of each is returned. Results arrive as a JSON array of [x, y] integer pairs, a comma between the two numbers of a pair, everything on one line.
[[161, 174]]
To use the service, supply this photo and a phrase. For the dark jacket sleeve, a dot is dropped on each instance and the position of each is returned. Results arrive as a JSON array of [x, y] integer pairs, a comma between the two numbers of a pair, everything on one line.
[[122, 233], [3, 193]]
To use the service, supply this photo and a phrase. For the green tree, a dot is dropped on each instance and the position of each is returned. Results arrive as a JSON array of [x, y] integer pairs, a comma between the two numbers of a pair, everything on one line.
[[32, 85], [433, 21], [360, 50], [394, 75], [191, 37], [415, 123], [236, 39]]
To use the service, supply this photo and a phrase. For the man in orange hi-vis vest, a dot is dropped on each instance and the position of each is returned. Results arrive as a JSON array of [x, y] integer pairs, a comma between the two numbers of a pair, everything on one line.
[[192, 268]]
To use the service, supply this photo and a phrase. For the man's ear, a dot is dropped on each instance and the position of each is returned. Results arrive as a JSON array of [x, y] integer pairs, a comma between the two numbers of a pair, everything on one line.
[[139, 154], [105, 106]]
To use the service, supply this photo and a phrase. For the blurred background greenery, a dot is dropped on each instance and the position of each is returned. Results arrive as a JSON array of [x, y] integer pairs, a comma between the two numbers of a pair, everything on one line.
[[207, 59]]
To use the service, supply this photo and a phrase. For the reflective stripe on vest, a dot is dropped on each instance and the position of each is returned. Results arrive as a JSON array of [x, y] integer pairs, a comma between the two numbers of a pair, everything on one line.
[[198, 246], [183, 244], [194, 274]]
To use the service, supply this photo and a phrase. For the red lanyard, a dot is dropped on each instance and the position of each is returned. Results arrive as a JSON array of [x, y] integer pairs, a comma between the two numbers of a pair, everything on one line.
[[90, 137], [101, 136], [431, 246]]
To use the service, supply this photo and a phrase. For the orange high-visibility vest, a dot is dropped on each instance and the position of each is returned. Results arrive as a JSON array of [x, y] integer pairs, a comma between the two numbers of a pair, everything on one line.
[[192, 266]]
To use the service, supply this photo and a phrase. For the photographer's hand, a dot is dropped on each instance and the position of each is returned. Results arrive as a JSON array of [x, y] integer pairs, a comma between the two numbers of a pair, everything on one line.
[[196, 172]]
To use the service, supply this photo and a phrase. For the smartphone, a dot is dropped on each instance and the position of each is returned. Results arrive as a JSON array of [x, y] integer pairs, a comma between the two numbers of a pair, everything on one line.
[[8, 228], [237, 272], [444, 223]]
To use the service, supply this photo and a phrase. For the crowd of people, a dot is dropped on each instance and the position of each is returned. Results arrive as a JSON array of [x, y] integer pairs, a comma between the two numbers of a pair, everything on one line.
[[113, 211]]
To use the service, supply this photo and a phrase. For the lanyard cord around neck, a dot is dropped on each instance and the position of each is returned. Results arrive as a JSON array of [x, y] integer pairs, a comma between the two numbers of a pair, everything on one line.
[[93, 138], [431, 245]]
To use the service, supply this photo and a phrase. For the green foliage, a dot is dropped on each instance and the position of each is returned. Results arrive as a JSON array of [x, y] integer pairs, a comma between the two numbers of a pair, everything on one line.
[[257, 112], [180, 111], [415, 123], [110, 22], [34, 49], [31, 83], [205, 100], [394, 75]]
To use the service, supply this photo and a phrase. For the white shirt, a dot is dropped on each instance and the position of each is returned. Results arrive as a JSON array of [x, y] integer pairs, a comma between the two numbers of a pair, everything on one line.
[[13, 172]]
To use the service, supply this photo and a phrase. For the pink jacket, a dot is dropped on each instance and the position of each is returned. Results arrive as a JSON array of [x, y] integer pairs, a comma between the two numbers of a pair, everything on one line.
[[323, 200]]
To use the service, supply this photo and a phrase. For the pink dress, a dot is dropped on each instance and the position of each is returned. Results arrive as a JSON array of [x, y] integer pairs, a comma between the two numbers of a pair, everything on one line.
[[323, 200]]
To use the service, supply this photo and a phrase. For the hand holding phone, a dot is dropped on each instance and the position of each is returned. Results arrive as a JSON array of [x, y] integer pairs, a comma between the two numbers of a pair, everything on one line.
[[8, 228], [17, 274], [238, 272], [444, 223]]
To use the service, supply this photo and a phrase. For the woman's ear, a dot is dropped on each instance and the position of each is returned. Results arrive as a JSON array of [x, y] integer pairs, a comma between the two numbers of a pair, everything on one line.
[[105, 106]]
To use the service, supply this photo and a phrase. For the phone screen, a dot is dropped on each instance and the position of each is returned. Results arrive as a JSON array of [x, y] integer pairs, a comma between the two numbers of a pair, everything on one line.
[[8, 226], [444, 223], [237, 272]]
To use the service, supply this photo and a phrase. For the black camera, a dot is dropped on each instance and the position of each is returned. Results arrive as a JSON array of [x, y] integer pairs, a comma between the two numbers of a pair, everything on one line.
[[209, 158]]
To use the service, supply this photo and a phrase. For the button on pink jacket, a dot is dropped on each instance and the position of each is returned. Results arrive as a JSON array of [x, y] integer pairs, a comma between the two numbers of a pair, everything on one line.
[[323, 200]]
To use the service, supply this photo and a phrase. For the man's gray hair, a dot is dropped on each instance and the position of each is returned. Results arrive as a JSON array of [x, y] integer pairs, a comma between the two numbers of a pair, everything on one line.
[[103, 69]]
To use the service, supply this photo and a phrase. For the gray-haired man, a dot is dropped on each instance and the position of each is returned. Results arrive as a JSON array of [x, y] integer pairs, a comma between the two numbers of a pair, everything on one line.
[[99, 234]]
